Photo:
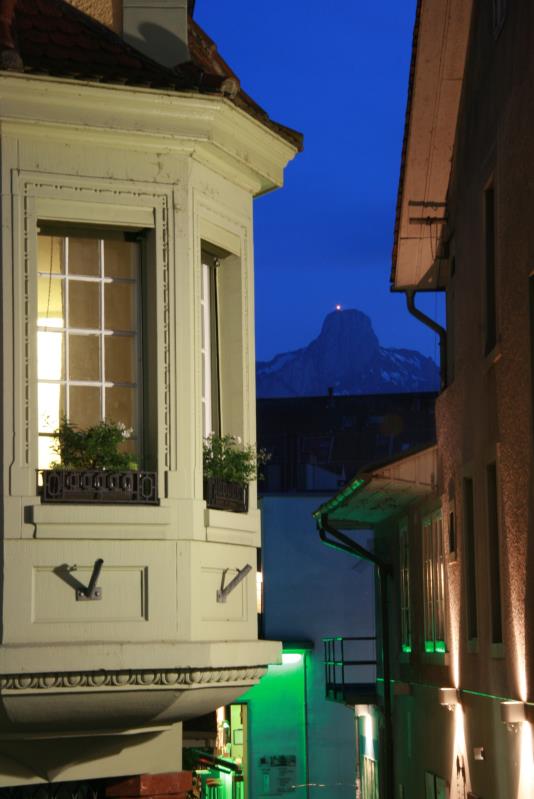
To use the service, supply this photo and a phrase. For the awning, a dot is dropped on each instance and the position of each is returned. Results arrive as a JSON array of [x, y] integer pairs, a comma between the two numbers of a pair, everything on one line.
[[382, 491]]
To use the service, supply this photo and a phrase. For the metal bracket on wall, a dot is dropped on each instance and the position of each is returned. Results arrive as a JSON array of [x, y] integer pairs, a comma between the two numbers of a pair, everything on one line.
[[223, 592], [92, 592]]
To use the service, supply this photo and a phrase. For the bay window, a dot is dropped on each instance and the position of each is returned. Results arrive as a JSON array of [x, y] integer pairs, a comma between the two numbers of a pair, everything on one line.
[[88, 334], [211, 398]]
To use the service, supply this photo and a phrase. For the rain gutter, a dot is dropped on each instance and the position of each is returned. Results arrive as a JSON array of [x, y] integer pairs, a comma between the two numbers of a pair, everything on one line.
[[442, 333], [333, 537]]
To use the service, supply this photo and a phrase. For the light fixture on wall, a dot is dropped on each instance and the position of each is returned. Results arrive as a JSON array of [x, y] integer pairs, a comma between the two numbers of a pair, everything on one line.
[[513, 713], [479, 753], [449, 697]]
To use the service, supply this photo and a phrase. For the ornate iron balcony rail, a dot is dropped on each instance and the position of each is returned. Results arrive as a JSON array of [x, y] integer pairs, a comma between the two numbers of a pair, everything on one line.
[[99, 486]]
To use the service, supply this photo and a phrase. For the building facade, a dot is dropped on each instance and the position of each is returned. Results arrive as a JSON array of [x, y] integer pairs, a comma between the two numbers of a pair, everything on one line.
[[127, 296], [460, 680]]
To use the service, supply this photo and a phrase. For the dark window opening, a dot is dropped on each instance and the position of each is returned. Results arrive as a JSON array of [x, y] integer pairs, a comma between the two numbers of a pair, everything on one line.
[[469, 556]]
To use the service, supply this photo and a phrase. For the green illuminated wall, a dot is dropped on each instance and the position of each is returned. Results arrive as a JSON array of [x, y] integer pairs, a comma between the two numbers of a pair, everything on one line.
[[277, 729]]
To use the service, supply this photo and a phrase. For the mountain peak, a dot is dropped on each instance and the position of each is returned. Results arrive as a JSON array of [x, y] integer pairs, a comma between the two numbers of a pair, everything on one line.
[[347, 357]]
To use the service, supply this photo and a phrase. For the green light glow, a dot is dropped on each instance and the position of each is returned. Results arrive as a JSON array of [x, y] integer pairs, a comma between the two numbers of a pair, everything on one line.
[[429, 646], [339, 498], [407, 648], [440, 646], [291, 657]]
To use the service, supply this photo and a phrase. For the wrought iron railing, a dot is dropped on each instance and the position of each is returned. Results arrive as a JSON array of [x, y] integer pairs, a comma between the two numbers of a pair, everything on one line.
[[350, 665], [61, 485]]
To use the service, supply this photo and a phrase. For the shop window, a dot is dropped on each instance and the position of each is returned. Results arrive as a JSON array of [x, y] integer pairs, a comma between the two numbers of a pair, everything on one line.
[[88, 334], [405, 605], [434, 584]]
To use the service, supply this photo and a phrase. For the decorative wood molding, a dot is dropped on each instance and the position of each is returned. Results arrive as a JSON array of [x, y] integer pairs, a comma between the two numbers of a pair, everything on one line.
[[137, 203]]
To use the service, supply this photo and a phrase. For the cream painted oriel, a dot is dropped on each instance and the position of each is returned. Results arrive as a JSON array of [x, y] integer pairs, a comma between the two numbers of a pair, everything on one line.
[[110, 196]]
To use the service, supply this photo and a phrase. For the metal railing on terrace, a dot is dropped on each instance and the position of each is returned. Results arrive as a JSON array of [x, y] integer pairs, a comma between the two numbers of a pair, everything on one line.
[[350, 669]]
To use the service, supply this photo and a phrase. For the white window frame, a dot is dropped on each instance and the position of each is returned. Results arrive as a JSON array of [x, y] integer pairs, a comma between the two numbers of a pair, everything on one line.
[[434, 577], [102, 333], [405, 599]]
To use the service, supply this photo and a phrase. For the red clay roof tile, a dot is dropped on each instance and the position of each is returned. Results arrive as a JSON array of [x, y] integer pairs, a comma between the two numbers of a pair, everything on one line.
[[53, 37]]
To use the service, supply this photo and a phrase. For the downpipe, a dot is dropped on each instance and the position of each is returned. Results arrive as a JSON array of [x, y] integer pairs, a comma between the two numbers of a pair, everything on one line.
[[343, 543], [437, 328]]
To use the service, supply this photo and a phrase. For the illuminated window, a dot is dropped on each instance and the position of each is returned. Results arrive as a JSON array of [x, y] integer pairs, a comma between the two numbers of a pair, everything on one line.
[[88, 334], [406, 626], [434, 584], [223, 342], [211, 410], [370, 783]]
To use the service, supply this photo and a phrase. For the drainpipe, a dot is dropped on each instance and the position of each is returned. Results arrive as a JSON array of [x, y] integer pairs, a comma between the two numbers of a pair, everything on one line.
[[346, 544], [442, 333]]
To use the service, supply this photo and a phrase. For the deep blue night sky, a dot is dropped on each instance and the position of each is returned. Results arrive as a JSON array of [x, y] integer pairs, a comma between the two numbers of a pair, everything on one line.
[[338, 72]]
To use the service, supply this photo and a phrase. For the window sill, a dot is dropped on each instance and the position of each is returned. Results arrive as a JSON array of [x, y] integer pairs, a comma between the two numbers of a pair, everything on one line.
[[497, 651], [436, 658], [233, 528], [472, 646]]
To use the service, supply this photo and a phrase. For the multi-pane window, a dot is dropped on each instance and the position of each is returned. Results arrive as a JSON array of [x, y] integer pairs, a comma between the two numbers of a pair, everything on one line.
[[210, 346], [370, 783], [434, 584], [406, 626], [88, 334]]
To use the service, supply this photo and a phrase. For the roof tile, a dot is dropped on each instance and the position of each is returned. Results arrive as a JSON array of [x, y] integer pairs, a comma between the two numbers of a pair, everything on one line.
[[56, 38]]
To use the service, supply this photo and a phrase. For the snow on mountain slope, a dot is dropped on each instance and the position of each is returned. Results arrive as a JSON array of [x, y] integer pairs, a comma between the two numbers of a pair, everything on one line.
[[347, 357]]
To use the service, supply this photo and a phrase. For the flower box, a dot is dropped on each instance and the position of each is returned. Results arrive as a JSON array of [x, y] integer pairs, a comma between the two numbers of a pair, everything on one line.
[[224, 495], [93, 485]]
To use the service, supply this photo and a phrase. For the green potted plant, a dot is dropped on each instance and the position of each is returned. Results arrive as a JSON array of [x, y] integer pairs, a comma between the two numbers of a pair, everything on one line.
[[229, 466], [92, 466]]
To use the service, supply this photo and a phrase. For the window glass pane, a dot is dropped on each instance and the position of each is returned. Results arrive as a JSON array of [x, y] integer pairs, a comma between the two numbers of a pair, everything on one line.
[[119, 302], [46, 454], [120, 359], [84, 358], [120, 258], [51, 403], [84, 305], [84, 406], [50, 251], [50, 356], [50, 302], [120, 405], [84, 257]]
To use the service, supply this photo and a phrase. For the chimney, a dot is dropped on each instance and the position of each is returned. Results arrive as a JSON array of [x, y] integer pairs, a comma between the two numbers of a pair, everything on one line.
[[158, 28]]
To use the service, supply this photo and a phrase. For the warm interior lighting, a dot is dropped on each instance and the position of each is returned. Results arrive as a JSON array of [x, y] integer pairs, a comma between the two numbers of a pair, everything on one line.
[[259, 592]]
